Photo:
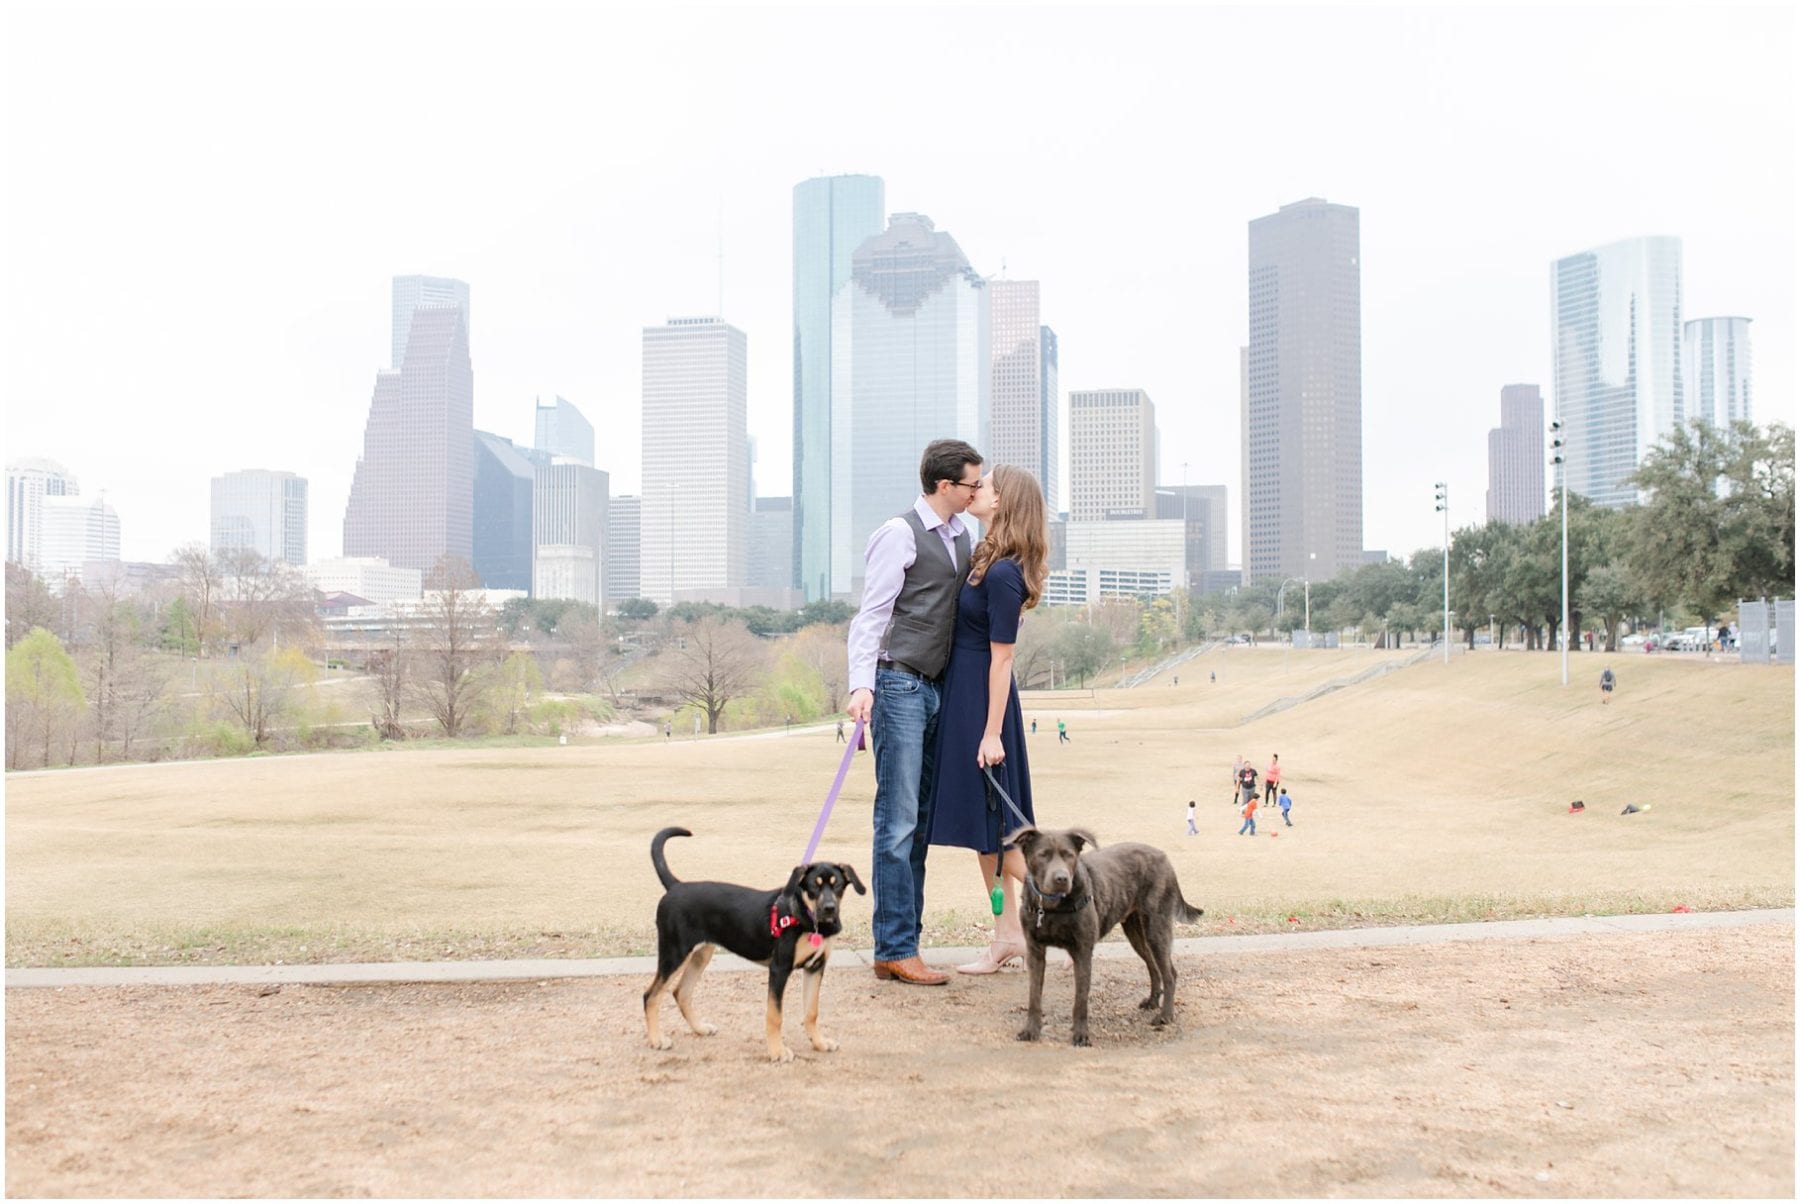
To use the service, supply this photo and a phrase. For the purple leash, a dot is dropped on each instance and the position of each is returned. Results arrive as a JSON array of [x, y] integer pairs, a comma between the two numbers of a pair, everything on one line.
[[812, 846]]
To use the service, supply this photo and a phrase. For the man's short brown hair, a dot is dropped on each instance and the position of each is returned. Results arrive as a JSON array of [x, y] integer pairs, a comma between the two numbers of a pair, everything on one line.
[[944, 460]]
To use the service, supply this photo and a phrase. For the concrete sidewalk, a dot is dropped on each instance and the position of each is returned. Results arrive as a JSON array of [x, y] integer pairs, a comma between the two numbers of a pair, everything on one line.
[[1207, 946]]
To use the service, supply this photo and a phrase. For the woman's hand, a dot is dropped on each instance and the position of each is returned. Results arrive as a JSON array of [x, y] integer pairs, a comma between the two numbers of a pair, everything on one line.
[[991, 752]]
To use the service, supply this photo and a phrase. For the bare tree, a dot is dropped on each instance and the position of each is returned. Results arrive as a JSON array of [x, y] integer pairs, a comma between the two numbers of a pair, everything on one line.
[[822, 648], [202, 584], [460, 635], [263, 598], [388, 671], [258, 688], [713, 662], [1035, 650], [110, 656]]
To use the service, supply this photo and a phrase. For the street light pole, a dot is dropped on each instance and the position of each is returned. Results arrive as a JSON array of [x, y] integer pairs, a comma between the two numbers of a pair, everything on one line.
[[1443, 505], [1557, 443]]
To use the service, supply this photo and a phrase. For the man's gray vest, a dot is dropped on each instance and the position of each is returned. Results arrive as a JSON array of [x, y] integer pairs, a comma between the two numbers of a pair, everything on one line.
[[924, 619]]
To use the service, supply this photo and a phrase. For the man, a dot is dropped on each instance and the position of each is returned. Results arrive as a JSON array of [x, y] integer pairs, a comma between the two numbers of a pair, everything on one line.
[[914, 567], [1606, 685]]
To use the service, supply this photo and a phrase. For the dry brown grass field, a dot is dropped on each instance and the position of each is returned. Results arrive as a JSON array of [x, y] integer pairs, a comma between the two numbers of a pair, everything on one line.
[[1432, 793]]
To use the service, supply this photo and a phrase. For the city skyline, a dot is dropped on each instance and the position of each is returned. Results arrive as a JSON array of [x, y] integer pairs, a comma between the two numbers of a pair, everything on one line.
[[1144, 285]]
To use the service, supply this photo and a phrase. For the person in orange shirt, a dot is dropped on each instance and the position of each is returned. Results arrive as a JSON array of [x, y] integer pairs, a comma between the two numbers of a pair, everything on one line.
[[1272, 782], [1249, 817]]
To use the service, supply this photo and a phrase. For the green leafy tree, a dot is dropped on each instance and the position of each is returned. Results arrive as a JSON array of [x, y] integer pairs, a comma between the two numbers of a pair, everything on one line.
[[43, 694]]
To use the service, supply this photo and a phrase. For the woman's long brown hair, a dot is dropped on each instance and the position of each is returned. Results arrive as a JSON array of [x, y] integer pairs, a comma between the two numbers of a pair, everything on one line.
[[1019, 532]]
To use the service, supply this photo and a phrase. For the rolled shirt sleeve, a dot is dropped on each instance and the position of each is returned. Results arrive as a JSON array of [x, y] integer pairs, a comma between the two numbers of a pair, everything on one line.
[[889, 554]]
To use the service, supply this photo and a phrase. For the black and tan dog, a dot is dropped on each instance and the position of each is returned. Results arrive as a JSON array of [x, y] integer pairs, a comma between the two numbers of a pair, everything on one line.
[[1074, 895], [790, 929]]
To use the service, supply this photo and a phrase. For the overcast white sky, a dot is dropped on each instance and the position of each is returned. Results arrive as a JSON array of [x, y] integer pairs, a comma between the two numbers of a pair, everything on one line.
[[204, 208]]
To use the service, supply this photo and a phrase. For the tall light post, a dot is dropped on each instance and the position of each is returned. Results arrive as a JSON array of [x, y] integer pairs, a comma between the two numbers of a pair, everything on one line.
[[1562, 488], [1443, 505]]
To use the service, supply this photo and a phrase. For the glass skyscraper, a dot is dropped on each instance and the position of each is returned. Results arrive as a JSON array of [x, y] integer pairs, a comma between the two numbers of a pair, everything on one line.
[[1023, 392], [833, 215], [1302, 394], [563, 431], [1616, 315], [261, 510], [416, 292], [1716, 370], [909, 364]]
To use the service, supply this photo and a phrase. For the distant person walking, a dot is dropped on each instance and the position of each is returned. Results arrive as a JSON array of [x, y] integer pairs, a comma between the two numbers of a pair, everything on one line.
[[1214, 676], [1249, 814], [840, 731], [1272, 781], [1062, 732], [1607, 681], [1287, 801], [1034, 727], [668, 729], [1193, 828]]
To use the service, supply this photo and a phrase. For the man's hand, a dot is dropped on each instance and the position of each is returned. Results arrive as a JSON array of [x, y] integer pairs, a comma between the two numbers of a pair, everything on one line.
[[862, 701]]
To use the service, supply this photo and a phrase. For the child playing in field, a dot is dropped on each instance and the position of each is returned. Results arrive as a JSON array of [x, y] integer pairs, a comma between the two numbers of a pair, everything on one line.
[[1249, 816], [1193, 828], [1286, 803]]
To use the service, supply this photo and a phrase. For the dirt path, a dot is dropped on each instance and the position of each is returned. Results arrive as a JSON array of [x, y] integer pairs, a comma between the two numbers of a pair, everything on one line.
[[1636, 1065]]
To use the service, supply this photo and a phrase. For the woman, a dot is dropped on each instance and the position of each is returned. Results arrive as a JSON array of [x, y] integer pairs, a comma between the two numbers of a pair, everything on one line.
[[979, 723]]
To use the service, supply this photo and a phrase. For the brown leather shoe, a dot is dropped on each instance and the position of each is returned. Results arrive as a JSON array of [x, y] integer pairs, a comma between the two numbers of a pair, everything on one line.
[[912, 970]]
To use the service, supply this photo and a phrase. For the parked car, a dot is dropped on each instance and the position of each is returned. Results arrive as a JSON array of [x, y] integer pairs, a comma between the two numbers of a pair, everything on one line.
[[1634, 641]]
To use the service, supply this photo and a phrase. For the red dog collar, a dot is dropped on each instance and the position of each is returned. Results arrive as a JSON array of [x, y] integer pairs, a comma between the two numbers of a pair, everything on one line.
[[777, 921]]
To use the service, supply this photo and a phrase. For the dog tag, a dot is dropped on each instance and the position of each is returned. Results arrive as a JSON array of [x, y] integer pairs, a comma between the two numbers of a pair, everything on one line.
[[814, 939]]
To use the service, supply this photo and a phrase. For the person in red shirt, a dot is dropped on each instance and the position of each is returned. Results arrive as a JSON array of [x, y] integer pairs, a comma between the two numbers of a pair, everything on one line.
[[1272, 782], [1249, 817]]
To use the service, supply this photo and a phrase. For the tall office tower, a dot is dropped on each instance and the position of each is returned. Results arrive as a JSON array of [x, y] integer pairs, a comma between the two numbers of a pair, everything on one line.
[[75, 531], [1022, 392], [412, 293], [1515, 491], [910, 364], [696, 461], [1715, 365], [413, 493], [568, 532], [1202, 504], [833, 215], [771, 544], [1049, 428], [619, 558], [562, 431], [1303, 486], [1112, 454], [503, 539], [1616, 316], [261, 510], [28, 482]]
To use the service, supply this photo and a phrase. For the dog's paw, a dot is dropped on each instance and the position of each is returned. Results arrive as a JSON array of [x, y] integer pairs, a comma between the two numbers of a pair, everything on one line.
[[824, 1044], [1149, 1003], [705, 1029], [1158, 1021], [783, 1054], [1028, 1034], [663, 1043], [1080, 1038]]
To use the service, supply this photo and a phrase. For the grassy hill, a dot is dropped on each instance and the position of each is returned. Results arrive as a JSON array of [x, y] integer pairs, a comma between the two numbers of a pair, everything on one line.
[[1433, 792]]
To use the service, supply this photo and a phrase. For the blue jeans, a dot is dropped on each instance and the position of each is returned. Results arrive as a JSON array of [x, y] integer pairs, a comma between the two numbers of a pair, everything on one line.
[[903, 726], [1249, 826]]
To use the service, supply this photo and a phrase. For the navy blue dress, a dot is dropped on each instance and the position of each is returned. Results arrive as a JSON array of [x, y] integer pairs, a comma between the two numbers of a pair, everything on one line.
[[962, 812]]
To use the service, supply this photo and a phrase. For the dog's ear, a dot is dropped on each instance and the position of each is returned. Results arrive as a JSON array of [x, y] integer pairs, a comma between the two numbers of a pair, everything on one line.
[[1023, 838], [793, 882], [849, 873], [1083, 838]]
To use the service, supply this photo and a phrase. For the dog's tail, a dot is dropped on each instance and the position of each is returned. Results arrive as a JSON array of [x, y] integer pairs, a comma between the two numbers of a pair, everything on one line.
[[1186, 912], [656, 854]]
